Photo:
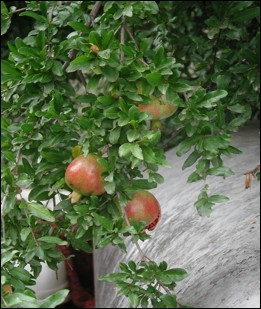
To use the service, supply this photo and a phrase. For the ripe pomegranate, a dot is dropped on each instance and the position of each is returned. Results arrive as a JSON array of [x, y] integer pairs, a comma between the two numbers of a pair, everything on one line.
[[158, 108], [144, 207], [83, 175]]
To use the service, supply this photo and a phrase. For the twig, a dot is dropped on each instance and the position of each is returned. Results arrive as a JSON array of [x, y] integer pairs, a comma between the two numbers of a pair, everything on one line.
[[18, 156], [4, 301], [254, 171], [19, 10], [8, 88], [249, 174], [122, 38], [82, 78], [94, 12]]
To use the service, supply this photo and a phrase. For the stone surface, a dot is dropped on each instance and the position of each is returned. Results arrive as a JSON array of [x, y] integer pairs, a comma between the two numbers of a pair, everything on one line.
[[221, 253]]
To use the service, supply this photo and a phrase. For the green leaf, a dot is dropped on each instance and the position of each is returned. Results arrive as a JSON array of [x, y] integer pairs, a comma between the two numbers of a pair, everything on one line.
[[132, 135], [143, 184], [10, 202], [211, 98], [114, 277], [103, 221], [112, 112], [40, 211], [110, 73], [35, 16], [125, 149], [203, 207], [104, 54], [221, 171], [233, 149], [25, 233], [247, 14], [127, 11], [191, 159], [114, 135], [4, 9], [52, 240], [78, 26], [5, 22], [218, 198], [95, 38], [65, 204], [132, 265], [180, 87], [144, 45], [110, 187], [177, 274], [164, 278], [237, 108], [185, 146], [194, 177], [79, 63], [137, 151], [8, 256], [21, 300], [93, 83], [107, 40], [54, 300], [134, 300], [154, 79], [169, 300], [20, 274]]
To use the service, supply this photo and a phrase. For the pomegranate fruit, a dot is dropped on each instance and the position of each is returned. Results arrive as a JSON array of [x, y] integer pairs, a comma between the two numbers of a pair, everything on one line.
[[84, 176], [158, 108], [144, 207]]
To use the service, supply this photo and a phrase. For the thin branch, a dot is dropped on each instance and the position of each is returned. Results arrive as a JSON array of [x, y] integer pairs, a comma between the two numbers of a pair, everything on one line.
[[94, 12], [254, 171], [122, 38], [9, 88], [82, 78], [135, 44], [19, 10]]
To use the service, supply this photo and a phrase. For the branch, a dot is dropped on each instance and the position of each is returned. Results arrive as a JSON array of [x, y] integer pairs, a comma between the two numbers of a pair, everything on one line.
[[94, 12], [135, 44], [8, 88], [122, 37]]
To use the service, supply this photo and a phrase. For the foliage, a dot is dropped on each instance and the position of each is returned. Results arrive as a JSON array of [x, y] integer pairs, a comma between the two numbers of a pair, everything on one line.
[[72, 83]]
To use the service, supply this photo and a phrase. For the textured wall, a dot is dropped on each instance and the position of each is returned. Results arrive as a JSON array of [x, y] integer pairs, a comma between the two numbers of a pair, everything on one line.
[[221, 253]]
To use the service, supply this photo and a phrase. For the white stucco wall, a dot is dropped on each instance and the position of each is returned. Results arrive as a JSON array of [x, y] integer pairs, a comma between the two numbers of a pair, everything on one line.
[[221, 253]]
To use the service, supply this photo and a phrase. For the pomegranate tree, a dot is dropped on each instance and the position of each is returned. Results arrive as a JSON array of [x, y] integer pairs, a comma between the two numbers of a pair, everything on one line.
[[144, 207], [84, 176]]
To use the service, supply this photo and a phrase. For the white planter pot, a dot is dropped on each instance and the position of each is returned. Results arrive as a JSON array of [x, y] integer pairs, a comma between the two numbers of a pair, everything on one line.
[[49, 281]]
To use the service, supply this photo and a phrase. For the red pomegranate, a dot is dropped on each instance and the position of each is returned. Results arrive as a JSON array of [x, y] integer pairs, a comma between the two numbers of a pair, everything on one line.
[[144, 207], [83, 175]]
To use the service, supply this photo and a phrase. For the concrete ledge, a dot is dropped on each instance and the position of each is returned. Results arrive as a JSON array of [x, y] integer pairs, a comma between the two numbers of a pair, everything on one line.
[[221, 253]]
